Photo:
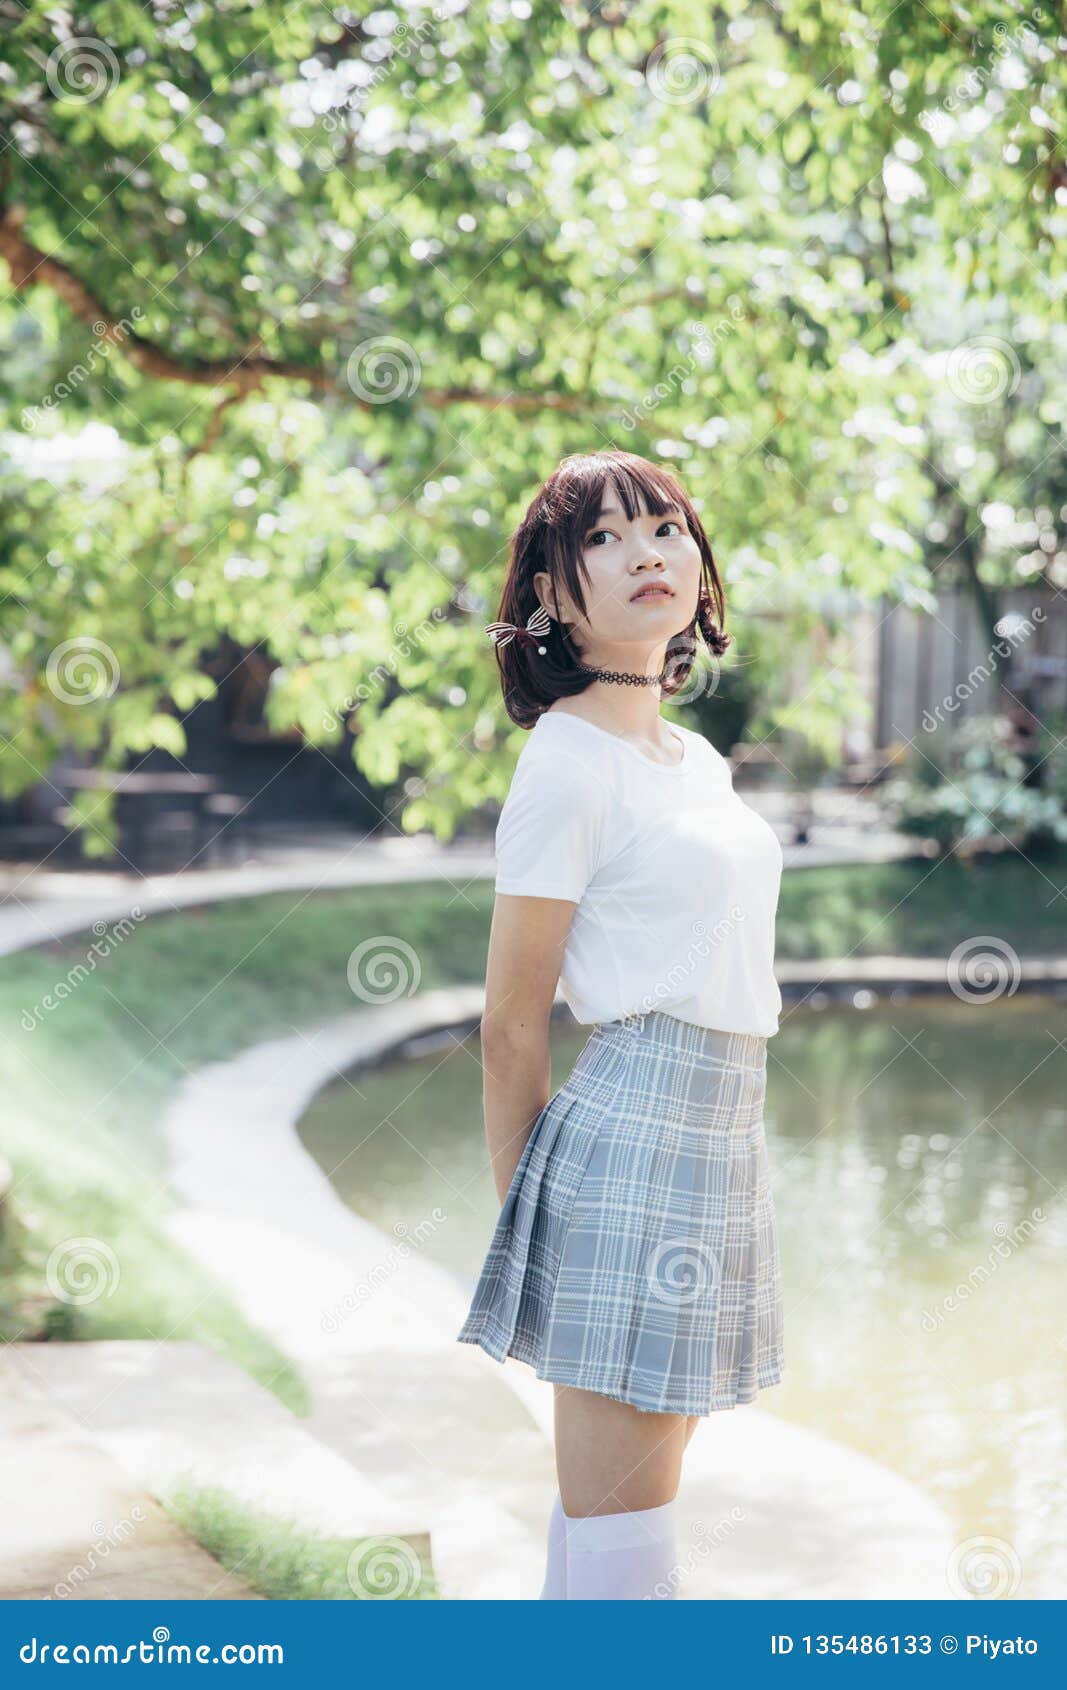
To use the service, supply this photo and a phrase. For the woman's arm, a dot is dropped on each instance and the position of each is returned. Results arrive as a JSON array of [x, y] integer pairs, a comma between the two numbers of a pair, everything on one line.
[[526, 945]]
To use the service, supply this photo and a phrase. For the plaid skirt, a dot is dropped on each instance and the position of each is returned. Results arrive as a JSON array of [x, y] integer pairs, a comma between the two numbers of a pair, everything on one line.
[[636, 1253]]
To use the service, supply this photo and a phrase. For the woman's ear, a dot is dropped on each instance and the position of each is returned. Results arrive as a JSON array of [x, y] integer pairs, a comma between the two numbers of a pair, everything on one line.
[[542, 586]]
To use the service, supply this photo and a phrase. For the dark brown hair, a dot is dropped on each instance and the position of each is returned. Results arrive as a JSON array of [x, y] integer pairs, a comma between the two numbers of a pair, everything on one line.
[[550, 537]]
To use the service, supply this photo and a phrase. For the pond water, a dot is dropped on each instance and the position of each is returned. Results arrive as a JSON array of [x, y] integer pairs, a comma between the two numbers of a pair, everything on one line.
[[918, 1154]]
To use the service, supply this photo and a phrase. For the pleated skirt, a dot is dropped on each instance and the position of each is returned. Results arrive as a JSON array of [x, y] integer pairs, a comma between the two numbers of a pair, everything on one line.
[[636, 1250]]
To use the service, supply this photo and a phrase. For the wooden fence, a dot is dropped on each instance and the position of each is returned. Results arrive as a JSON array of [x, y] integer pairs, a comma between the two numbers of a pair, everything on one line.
[[943, 668]]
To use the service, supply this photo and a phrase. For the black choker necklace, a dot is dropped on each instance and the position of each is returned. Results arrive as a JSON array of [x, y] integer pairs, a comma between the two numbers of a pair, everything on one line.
[[626, 680]]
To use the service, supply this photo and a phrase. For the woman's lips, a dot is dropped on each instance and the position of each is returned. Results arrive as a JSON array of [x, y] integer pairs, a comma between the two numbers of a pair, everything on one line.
[[652, 593]]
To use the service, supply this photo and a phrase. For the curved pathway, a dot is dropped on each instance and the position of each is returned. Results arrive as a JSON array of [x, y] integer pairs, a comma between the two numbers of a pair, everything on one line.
[[456, 1443], [40, 903]]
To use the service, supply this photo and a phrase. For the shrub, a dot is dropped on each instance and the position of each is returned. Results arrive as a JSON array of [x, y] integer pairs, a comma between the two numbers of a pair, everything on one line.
[[973, 786]]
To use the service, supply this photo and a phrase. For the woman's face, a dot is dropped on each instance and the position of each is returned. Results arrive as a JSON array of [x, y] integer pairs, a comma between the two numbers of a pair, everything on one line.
[[623, 559]]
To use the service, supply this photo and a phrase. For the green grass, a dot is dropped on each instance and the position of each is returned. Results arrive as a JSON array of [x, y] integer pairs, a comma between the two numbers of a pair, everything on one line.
[[150, 1288], [281, 1560], [924, 908], [85, 1089]]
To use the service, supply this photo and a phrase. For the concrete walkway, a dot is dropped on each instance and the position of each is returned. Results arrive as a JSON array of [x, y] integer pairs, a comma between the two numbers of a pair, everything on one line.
[[370, 1323], [458, 1443], [76, 1524], [175, 1413], [42, 904]]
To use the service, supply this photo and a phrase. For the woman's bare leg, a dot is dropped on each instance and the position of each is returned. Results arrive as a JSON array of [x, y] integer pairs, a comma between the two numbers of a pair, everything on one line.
[[612, 1458], [694, 1422], [618, 1472]]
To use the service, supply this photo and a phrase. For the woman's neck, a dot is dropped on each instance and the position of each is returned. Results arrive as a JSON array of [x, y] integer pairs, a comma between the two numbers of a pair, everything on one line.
[[625, 709], [632, 712]]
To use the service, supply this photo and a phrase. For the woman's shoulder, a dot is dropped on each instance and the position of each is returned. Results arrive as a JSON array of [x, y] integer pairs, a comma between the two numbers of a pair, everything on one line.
[[562, 735], [566, 757], [704, 746], [553, 726], [565, 735]]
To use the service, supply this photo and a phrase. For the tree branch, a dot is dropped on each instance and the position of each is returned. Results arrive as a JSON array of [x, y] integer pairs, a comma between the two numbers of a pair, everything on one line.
[[30, 266]]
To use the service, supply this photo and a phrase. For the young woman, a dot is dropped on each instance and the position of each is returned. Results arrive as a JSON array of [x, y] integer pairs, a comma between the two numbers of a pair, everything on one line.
[[635, 1260]]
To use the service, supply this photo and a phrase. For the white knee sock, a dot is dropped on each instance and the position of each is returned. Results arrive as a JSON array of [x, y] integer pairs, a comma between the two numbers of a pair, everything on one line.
[[621, 1557], [555, 1586]]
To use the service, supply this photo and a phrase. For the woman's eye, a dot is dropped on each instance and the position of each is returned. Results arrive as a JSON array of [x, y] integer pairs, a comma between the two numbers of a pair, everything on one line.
[[668, 522]]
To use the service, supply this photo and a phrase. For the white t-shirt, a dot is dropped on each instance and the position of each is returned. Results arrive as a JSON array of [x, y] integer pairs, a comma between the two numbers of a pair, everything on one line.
[[676, 878]]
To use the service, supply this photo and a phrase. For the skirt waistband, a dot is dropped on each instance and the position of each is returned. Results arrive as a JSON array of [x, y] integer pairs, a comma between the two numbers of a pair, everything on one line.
[[655, 1029]]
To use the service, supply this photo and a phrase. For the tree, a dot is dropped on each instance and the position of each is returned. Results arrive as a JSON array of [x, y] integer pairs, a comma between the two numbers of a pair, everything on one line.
[[346, 288]]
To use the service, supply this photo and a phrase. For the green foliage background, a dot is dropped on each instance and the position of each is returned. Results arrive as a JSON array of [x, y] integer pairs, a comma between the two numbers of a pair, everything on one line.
[[347, 283]]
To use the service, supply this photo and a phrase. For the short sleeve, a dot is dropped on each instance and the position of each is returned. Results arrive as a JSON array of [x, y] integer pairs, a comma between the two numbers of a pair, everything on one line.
[[549, 838]]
